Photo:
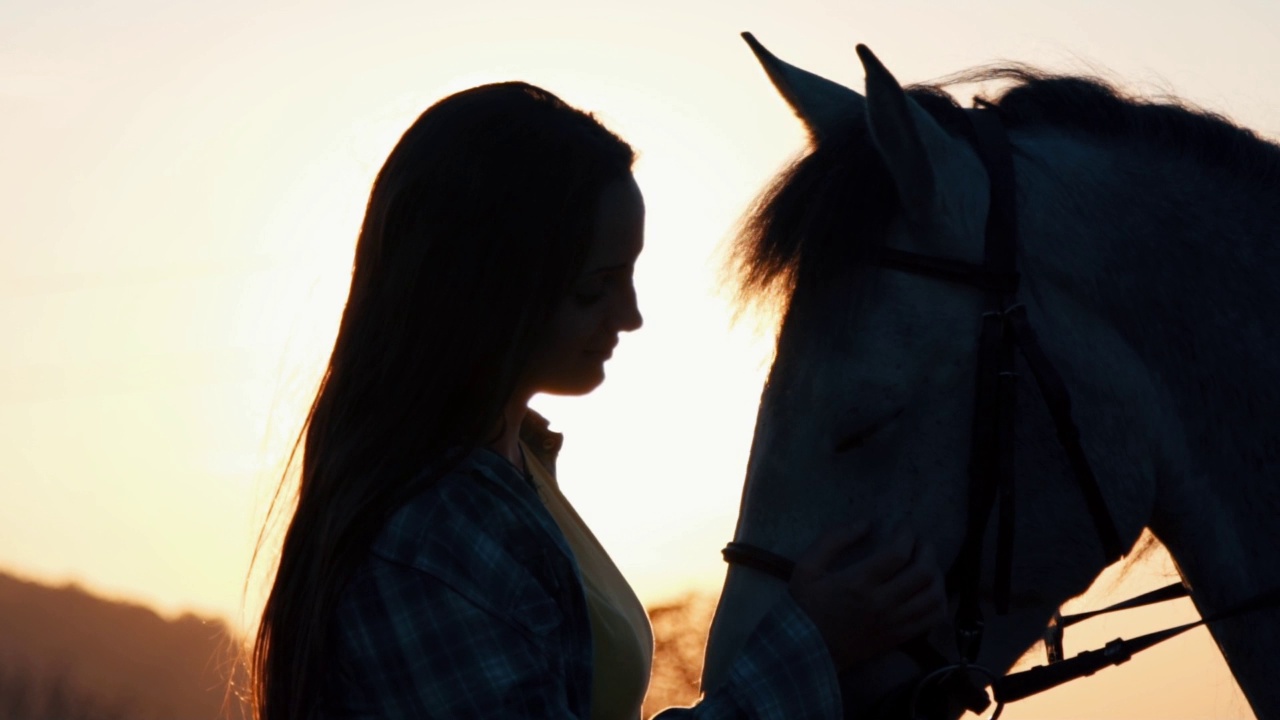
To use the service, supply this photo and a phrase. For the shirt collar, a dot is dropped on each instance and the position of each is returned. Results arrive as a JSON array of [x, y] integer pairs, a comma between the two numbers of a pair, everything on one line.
[[542, 441]]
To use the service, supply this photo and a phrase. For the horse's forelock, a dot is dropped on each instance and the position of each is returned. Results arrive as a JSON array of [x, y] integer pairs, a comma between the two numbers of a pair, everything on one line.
[[834, 203], [829, 206]]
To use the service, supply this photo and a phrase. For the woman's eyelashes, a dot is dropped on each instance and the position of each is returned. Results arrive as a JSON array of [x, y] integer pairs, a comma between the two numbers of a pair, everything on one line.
[[587, 299]]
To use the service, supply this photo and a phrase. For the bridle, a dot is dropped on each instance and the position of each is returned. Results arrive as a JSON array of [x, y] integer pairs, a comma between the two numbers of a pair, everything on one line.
[[1005, 333]]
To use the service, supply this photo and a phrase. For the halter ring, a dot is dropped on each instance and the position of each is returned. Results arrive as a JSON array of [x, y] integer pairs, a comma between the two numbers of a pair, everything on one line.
[[941, 674]]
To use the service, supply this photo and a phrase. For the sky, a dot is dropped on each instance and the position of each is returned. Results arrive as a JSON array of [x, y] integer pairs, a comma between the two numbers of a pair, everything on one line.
[[180, 188]]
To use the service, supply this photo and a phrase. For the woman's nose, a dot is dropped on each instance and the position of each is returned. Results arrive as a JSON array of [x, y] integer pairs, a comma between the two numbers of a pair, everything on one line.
[[629, 317]]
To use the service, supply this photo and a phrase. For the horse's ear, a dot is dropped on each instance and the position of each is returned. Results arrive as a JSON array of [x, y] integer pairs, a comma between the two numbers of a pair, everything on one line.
[[821, 104], [905, 136]]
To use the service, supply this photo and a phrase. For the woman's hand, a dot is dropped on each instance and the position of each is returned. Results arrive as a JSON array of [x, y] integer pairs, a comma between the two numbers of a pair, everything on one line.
[[867, 592]]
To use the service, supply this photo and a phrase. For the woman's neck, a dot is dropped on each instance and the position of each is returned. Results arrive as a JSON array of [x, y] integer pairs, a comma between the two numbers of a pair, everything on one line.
[[507, 442]]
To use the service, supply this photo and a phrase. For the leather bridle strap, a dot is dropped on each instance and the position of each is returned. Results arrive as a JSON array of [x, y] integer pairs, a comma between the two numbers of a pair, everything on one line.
[[736, 553], [947, 269], [1019, 685], [1172, 591], [992, 145], [1059, 403], [991, 443], [1004, 328], [1001, 256], [1053, 634]]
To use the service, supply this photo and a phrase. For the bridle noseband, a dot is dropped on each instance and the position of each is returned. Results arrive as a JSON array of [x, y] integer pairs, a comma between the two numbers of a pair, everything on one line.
[[1005, 333]]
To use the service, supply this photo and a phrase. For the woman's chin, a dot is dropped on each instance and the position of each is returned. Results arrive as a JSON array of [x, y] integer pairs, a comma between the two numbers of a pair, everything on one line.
[[578, 385]]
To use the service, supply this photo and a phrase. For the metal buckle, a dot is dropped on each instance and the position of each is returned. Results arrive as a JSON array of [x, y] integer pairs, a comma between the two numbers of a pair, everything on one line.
[[969, 640], [938, 678], [1053, 638]]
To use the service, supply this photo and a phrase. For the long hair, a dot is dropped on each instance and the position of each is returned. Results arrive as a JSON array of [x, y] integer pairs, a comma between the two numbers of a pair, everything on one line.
[[476, 226]]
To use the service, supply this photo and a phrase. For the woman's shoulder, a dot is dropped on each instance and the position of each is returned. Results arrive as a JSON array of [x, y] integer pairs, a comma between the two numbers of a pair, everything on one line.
[[481, 530], [463, 581], [481, 496]]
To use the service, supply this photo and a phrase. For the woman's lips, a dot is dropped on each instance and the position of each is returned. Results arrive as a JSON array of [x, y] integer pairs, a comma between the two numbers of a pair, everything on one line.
[[604, 352]]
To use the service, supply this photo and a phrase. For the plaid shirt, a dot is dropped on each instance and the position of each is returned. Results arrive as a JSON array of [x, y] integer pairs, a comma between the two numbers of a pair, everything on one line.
[[470, 605]]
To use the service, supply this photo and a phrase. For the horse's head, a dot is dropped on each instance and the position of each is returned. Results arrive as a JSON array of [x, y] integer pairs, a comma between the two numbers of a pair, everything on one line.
[[868, 410]]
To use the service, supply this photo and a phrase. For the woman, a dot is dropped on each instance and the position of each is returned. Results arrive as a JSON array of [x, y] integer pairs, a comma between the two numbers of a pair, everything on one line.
[[431, 568]]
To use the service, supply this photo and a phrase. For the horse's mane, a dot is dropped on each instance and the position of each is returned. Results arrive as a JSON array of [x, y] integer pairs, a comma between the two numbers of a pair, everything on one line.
[[841, 189]]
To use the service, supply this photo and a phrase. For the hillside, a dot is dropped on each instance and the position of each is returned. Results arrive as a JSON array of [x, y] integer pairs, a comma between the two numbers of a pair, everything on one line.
[[65, 653]]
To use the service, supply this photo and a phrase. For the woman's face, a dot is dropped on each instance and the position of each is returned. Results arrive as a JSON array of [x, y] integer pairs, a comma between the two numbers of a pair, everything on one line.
[[601, 302]]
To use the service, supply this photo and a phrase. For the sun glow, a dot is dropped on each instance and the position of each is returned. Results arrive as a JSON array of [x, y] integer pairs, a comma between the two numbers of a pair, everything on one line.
[[182, 189]]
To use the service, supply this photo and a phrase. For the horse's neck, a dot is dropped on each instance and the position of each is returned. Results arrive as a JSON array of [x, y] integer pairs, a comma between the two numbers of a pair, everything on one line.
[[1186, 272], [1226, 563]]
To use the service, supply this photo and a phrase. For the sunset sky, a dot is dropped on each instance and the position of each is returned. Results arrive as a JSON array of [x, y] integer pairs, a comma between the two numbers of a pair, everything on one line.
[[181, 184]]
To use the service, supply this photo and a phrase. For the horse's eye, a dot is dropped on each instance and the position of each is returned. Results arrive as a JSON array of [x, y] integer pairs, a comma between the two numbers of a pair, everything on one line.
[[854, 440]]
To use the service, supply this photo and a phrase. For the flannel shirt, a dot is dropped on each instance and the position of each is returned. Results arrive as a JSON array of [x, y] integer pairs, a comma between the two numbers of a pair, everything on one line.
[[469, 605]]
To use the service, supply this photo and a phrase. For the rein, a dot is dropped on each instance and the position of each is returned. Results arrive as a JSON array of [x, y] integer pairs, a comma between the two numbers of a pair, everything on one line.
[[1025, 683], [1006, 332]]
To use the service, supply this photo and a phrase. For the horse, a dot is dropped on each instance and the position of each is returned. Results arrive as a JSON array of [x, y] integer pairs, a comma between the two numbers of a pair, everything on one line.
[[1146, 262]]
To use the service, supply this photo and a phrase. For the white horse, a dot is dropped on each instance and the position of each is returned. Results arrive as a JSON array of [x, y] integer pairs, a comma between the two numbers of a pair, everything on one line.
[[1149, 253]]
